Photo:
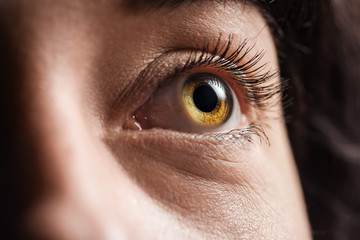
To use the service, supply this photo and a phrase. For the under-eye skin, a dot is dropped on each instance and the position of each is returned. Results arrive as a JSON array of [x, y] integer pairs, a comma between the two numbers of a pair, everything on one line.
[[215, 90]]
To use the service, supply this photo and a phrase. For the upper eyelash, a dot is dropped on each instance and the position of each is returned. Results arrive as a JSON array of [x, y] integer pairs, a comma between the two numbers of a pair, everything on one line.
[[254, 81]]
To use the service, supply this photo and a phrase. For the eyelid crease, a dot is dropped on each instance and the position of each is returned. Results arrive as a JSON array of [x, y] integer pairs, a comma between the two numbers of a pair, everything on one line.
[[152, 77]]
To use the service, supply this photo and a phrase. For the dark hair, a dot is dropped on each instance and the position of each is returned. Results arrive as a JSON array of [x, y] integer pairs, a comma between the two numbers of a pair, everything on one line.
[[319, 51]]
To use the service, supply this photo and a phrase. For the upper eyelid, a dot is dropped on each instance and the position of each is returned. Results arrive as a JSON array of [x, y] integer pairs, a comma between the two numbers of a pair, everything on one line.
[[146, 82], [258, 84]]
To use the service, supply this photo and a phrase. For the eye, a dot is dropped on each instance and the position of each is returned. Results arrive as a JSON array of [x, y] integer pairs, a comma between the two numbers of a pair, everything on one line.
[[207, 99], [195, 102], [217, 88]]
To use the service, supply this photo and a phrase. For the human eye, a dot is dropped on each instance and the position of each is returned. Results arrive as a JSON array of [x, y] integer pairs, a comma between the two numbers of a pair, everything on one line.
[[217, 88], [189, 101]]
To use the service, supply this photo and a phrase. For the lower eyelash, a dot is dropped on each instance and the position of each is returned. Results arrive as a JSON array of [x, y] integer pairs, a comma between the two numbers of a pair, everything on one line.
[[255, 131]]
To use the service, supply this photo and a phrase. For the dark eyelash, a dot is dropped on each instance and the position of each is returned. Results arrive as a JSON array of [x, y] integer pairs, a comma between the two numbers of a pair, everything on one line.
[[255, 83]]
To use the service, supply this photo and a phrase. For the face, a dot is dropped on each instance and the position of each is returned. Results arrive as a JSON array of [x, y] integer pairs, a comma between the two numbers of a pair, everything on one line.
[[139, 121]]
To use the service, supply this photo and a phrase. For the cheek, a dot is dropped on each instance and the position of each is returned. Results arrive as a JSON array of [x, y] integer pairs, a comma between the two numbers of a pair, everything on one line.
[[237, 191], [155, 184]]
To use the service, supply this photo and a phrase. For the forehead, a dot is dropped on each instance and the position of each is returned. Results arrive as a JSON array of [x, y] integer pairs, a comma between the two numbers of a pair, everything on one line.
[[107, 34], [118, 24], [127, 5], [78, 13]]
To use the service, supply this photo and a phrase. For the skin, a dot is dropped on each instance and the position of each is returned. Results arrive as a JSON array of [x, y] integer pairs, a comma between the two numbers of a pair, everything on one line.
[[91, 174]]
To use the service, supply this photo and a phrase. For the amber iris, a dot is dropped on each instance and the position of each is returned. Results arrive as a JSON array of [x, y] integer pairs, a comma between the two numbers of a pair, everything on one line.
[[207, 99]]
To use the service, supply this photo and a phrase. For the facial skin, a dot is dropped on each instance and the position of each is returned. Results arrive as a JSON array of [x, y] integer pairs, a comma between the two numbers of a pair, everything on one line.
[[92, 174]]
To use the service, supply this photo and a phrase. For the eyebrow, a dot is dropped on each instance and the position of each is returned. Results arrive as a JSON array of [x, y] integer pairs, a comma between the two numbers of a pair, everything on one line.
[[141, 5]]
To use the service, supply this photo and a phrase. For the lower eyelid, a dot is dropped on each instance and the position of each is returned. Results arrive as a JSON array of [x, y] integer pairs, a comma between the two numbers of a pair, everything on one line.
[[192, 172], [203, 139], [159, 158]]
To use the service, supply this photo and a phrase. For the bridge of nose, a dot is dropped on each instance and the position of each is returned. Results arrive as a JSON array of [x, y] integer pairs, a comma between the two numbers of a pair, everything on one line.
[[77, 185], [65, 172]]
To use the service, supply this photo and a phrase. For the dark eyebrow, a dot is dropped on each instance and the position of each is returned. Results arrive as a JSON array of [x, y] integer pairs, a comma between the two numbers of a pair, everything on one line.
[[144, 5]]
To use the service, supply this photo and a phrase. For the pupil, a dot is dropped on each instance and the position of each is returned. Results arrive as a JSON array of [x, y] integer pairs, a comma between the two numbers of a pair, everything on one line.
[[205, 98]]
